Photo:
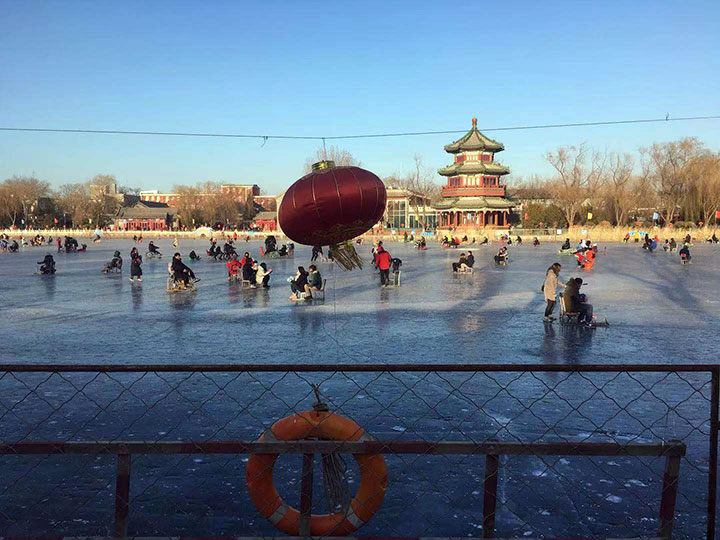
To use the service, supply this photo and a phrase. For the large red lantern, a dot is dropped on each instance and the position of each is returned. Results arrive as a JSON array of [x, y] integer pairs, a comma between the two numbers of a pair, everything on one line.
[[331, 206]]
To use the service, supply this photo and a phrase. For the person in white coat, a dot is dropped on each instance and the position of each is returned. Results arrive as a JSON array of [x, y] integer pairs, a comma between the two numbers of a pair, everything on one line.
[[262, 275], [550, 289]]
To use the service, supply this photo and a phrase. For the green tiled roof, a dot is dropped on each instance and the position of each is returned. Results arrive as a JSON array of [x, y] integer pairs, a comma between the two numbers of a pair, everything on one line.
[[473, 203], [474, 167], [474, 140]]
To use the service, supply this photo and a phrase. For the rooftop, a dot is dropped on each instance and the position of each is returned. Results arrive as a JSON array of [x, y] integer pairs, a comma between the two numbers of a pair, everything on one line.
[[145, 210], [474, 140], [473, 203], [474, 167]]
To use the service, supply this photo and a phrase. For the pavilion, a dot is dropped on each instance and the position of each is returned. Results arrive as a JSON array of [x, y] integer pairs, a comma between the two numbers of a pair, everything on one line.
[[474, 195]]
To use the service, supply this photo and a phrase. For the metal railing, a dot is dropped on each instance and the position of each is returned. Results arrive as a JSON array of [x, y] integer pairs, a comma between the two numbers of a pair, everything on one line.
[[415, 412]]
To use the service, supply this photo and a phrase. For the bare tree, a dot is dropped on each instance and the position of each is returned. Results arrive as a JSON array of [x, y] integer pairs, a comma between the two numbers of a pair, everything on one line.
[[421, 190], [340, 156], [577, 180], [668, 172], [10, 205], [24, 191], [188, 205], [703, 175], [617, 183], [76, 200], [104, 198]]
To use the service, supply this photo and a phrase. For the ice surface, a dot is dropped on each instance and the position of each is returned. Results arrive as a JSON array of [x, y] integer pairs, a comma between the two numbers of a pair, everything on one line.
[[659, 310]]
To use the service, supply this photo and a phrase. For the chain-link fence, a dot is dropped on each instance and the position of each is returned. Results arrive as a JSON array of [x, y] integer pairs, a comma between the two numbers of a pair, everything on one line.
[[452, 451]]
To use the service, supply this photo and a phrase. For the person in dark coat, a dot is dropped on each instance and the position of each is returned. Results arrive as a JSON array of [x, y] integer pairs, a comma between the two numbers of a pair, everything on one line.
[[248, 273], [463, 261], [135, 263], [115, 262], [574, 301], [181, 271], [299, 284], [316, 251], [47, 265]]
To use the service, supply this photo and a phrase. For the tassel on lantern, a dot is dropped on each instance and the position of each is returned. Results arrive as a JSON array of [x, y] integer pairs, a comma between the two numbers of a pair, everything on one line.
[[345, 256]]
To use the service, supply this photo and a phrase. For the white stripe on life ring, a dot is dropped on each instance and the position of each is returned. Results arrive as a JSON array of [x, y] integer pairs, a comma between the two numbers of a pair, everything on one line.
[[354, 520], [278, 514]]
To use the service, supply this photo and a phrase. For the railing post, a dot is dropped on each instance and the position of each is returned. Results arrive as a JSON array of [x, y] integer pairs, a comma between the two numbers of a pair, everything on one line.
[[713, 473], [122, 495], [669, 490], [306, 490], [490, 494]]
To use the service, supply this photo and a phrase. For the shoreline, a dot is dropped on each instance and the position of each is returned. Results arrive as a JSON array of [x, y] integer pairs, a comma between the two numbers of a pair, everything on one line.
[[596, 234]]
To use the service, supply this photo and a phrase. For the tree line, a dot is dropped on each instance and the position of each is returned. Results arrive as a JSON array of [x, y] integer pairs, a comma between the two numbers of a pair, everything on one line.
[[673, 182], [26, 201], [205, 204]]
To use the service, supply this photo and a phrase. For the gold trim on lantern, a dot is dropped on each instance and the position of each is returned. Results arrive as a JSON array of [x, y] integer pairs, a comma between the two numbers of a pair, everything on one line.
[[321, 165]]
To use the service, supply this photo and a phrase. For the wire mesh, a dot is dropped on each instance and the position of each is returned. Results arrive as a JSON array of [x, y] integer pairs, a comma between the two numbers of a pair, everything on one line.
[[427, 494]]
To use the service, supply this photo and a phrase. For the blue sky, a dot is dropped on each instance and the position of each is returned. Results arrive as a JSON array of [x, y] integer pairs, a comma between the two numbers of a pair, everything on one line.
[[334, 68]]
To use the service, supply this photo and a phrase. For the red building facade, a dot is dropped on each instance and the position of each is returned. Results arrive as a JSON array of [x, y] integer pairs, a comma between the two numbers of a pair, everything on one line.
[[237, 192]]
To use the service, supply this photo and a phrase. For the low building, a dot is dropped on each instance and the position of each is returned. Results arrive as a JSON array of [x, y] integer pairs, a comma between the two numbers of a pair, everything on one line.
[[266, 221], [406, 210], [530, 195], [237, 192], [144, 216]]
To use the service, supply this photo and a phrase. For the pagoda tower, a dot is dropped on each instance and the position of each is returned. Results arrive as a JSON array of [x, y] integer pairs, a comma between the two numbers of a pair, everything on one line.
[[474, 196]]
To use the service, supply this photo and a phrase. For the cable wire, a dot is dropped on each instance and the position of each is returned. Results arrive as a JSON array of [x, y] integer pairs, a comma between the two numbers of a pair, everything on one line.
[[361, 136]]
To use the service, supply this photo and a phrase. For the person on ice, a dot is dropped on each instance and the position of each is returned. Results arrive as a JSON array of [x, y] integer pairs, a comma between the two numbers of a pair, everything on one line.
[[550, 289], [314, 279], [382, 261], [135, 265], [685, 253], [395, 265], [248, 272], [502, 255], [47, 265], [194, 256], [566, 244], [575, 301], [115, 262], [180, 271], [462, 262], [152, 248], [262, 275], [299, 284], [316, 252], [233, 267]]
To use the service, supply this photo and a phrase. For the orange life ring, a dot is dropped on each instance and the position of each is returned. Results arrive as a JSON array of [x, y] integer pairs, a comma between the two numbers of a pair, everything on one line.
[[323, 425]]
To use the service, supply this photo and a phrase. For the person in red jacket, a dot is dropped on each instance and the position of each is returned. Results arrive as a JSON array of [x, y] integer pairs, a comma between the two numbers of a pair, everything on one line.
[[383, 260], [233, 267]]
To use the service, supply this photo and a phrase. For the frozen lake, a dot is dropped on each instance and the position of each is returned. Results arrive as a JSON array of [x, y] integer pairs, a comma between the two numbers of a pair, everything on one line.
[[659, 310]]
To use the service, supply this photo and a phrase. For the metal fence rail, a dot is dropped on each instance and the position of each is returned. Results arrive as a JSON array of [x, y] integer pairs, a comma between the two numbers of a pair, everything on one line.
[[71, 438]]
